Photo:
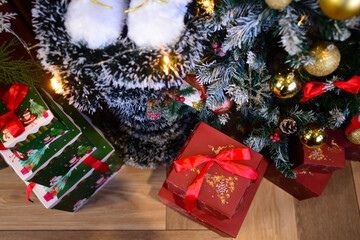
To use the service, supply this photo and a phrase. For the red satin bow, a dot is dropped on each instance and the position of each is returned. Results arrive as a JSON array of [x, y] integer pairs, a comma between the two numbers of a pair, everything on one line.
[[313, 89], [355, 124], [12, 100], [224, 159]]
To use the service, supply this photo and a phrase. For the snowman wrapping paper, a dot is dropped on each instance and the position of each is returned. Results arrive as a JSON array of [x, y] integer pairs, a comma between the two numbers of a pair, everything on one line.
[[69, 191]]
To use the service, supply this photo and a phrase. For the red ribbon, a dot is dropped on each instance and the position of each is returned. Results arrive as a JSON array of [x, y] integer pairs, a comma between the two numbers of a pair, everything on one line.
[[96, 164], [29, 189], [12, 100], [355, 124], [313, 89], [224, 159]]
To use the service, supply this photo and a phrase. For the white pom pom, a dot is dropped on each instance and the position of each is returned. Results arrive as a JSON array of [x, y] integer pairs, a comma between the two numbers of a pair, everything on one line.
[[93, 24], [156, 24]]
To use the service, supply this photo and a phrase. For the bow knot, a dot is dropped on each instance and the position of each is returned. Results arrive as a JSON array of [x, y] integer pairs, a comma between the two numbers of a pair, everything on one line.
[[225, 160], [12, 100], [313, 89]]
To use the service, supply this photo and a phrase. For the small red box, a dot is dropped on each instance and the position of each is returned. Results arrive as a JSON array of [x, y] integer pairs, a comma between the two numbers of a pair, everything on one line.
[[326, 159], [224, 198], [305, 185], [352, 151]]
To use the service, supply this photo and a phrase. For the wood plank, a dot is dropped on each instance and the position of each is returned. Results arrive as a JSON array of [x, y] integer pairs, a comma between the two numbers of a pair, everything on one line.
[[356, 175], [271, 215], [177, 221], [109, 235], [333, 215], [128, 202]]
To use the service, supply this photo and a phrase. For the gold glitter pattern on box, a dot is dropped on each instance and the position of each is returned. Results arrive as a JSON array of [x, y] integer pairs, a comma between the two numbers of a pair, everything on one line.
[[223, 186]]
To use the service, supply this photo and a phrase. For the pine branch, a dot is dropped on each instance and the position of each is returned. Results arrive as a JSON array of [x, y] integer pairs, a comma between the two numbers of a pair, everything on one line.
[[16, 71]]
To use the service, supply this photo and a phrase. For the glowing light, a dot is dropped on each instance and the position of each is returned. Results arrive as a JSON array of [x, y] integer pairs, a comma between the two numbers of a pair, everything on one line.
[[301, 20], [167, 65], [57, 85], [166, 59], [208, 6]]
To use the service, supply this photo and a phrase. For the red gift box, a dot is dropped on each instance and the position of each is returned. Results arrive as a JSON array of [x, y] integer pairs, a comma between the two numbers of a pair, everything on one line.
[[352, 151], [222, 195], [326, 159], [305, 185]]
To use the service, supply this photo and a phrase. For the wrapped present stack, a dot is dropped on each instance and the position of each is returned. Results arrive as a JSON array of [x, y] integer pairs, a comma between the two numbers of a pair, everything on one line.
[[63, 161], [313, 166], [214, 180]]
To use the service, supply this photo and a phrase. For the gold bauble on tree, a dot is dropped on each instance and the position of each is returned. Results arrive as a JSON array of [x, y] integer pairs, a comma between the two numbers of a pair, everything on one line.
[[312, 135], [340, 9], [327, 59], [354, 136], [278, 4], [285, 84]]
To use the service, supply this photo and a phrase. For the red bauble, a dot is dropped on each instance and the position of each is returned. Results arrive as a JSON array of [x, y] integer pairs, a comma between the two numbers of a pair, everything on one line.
[[224, 108]]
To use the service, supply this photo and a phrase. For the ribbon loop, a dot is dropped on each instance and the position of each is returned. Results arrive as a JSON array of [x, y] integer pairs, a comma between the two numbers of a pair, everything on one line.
[[313, 89], [224, 159], [12, 99]]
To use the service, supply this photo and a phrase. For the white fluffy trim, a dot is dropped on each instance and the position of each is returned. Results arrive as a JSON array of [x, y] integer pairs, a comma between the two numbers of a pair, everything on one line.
[[93, 24], [156, 24]]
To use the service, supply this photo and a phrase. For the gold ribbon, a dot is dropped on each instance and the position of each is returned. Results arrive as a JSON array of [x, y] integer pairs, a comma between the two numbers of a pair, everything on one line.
[[141, 5], [101, 4]]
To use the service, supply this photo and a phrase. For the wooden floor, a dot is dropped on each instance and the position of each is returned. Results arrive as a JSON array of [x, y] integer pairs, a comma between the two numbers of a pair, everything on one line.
[[128, 208]]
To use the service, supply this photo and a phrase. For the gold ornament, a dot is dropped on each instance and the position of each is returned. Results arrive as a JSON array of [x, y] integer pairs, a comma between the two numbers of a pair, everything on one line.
[[327, 59], [278, 4], [312, 135], [354, 136], [340, 9], [285, 84]]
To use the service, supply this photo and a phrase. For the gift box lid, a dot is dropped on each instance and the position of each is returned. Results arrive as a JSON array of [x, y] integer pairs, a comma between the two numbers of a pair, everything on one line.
[[221, 191], [327, 158], [33, 114]]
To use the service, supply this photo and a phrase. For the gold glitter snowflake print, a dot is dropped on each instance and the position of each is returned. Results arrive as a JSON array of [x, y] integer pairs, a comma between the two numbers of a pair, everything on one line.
[[317, 154], [223, 186]]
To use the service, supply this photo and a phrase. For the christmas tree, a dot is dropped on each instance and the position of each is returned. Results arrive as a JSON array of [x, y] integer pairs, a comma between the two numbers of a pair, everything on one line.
[[35, 108], [34, 157], [287, 67]]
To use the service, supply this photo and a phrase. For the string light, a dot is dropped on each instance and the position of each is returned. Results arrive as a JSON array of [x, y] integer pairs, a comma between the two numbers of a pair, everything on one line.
[[166, 65], [208, 5], [301, 20], [57, 85]]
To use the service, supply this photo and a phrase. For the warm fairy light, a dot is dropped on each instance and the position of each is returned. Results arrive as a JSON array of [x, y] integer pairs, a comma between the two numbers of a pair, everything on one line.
[[208, 5], [301, 20], [57, 85], [166, 66], [166, 59]]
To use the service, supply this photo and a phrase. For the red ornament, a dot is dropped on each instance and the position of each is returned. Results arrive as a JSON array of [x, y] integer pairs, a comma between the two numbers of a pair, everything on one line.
[[182, 99], [154, 116], [177, 98], [224, 108], [159, 114], [149, 114]]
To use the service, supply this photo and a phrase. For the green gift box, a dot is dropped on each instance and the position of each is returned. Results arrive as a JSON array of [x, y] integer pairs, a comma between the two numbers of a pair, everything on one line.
[[66, 189], [78, 186], [33, 153]]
